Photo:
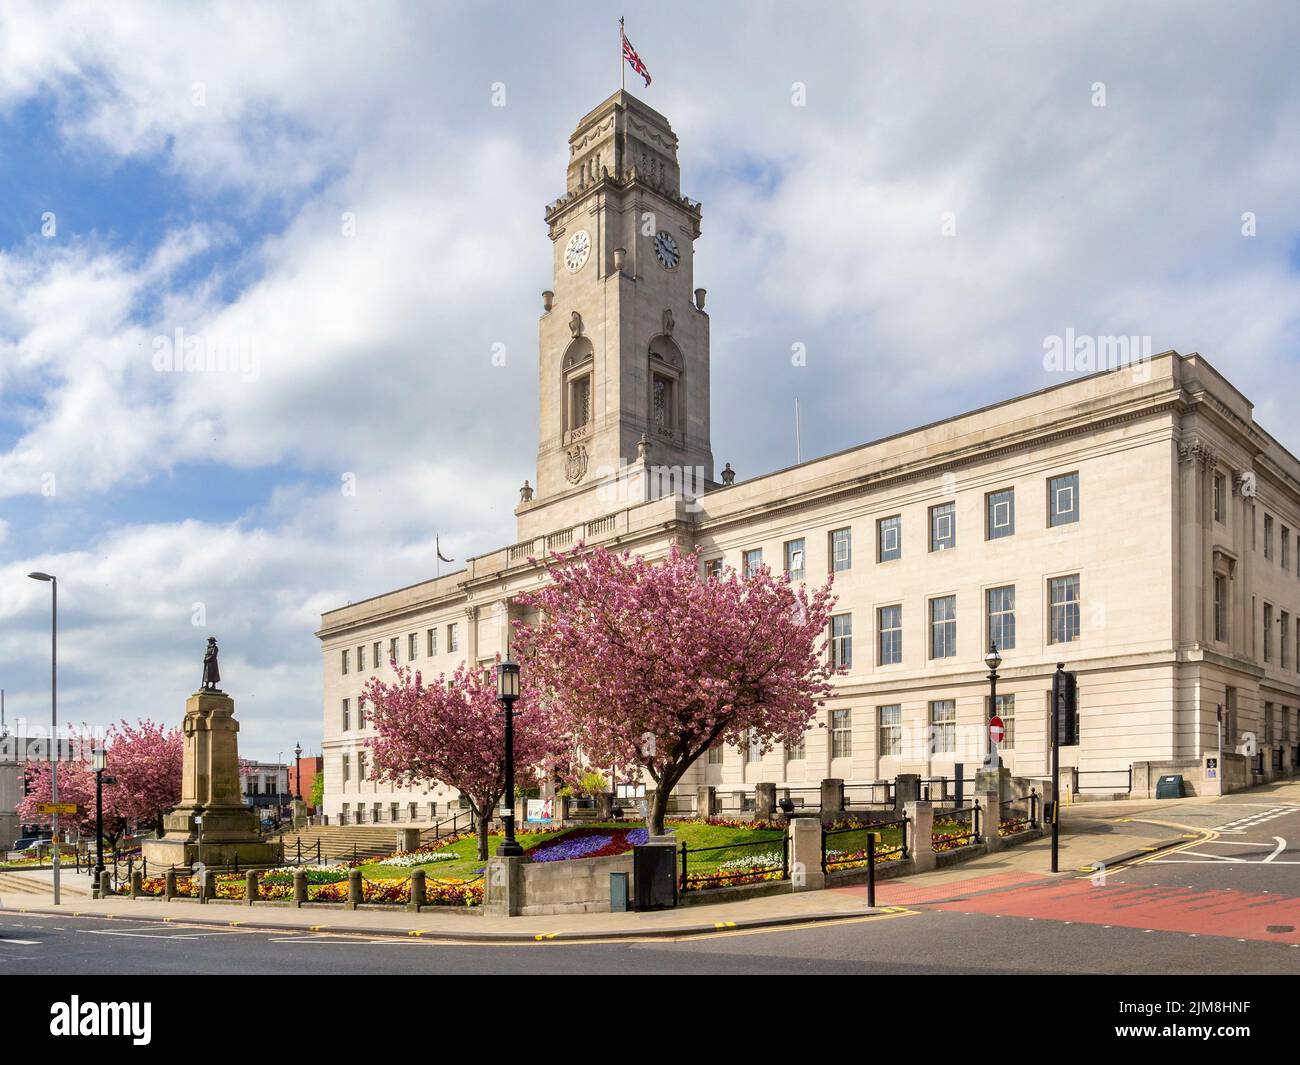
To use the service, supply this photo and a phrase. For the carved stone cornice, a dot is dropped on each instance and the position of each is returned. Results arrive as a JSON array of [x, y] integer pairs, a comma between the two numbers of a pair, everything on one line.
[[1196, 450]]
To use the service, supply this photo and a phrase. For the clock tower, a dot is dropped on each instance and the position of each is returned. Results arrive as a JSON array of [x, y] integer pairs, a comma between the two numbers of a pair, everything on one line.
[[624, 340]]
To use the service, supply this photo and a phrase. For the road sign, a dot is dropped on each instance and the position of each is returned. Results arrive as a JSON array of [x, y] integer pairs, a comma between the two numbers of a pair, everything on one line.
[[56, 807], [997, 730]]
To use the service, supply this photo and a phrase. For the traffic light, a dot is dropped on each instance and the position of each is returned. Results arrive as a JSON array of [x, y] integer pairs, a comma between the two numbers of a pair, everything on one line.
[[1065, 698]]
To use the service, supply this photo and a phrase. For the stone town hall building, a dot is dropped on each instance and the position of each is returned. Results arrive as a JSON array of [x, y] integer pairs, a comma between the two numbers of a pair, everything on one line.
[[1135, 524]]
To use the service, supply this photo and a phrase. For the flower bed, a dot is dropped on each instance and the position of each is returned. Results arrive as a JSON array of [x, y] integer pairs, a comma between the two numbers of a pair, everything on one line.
[[858, 858], [589, 843], [1012, 825], [950, 837], [406, 859], [733, 874], [324, 884]]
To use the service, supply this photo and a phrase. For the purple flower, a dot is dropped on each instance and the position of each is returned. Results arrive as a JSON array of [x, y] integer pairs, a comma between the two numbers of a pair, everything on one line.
[[564, 849]]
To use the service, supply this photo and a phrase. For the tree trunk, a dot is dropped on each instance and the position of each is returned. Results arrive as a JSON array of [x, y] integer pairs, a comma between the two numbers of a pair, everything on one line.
[[483, 820], [657, 812]]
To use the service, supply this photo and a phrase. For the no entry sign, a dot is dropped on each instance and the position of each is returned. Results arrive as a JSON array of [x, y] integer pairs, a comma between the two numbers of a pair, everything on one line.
[[997, 730]]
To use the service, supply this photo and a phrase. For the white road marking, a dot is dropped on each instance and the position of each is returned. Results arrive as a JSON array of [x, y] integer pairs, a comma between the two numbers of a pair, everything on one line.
[[1234, 861], [1281, 846], [22, 942], [1241, 824], [133, 935]]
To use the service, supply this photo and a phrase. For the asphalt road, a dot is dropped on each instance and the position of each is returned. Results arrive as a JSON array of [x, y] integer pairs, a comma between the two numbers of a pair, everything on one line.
[[1229, 905]]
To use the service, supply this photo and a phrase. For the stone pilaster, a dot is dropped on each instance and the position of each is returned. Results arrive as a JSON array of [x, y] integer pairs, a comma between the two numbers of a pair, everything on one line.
[[471, 635]]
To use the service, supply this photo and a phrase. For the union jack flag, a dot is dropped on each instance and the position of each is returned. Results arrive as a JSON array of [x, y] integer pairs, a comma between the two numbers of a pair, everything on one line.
[[629, 53]]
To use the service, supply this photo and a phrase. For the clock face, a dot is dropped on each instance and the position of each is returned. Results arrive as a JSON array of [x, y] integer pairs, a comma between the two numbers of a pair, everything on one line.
[[666, 250], [577, 250]]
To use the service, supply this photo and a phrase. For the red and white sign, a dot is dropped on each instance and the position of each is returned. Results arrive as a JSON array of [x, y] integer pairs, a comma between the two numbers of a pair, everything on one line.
[[997, 730]]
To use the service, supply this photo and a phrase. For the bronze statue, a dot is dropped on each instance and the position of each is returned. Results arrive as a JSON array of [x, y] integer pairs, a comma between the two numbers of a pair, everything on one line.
[[211, 672]]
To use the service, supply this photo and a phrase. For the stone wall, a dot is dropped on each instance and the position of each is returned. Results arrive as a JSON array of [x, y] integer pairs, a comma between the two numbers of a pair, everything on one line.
[[577, 886]]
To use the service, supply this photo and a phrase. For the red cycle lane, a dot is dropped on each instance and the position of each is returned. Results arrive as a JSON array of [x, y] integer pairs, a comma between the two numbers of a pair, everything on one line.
[[1210, 912]]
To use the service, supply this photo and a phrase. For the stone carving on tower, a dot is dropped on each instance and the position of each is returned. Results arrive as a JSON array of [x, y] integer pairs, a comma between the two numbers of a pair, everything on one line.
[[623, 340]]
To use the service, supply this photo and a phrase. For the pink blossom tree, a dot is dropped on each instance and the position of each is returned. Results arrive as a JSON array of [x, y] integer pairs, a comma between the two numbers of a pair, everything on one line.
[[145, 761], [650, 664], [452, 732], [144, 765]]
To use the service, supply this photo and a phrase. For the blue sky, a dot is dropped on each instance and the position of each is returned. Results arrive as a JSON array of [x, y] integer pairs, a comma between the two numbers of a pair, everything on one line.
[[199, 163]]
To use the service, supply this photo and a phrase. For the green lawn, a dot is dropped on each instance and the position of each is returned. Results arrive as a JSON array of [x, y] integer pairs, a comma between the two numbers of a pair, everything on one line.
[[467, 864], [694, 835], [851, 842]]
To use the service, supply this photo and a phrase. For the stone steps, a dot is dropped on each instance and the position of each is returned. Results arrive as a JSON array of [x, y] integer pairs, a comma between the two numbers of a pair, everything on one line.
[[32, 887], [339, 841]]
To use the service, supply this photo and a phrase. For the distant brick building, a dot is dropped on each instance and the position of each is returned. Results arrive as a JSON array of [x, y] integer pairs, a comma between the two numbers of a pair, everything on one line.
[[309, 767]]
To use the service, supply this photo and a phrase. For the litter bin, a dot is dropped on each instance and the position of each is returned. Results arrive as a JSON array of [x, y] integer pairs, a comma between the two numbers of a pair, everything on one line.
[[618, 892], [1170, 787]]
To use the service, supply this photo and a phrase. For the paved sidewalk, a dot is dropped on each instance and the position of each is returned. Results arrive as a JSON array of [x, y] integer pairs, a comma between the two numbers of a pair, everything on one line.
[[1092, 833], [803, 908]]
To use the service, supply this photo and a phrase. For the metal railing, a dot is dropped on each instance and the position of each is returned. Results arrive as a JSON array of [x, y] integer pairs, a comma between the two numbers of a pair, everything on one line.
[[298, 856], [677, 803], [800, 798], [452, 824], [944, 790], [761, 869], [966, 819], [855, 857], [1112, 784], [1023, 809], [736, 803], [879, 793]]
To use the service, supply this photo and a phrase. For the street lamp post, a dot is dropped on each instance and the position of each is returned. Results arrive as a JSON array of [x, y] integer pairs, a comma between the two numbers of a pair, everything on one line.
[[54, 717], [508, 692], [100, 763], [992, 659], [297, 771]]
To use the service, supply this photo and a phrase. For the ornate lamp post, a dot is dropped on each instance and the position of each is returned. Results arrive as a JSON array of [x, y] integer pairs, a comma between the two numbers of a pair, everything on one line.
[[508, 692], [100, 762], [297, 771], [992, 659]]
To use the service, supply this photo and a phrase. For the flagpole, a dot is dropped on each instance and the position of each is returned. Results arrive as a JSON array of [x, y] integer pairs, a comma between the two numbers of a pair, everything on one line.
[[622, 65]]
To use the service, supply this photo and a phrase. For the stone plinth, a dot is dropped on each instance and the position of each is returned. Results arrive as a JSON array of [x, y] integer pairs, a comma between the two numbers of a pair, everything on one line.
[[921, 816], [210, 790], [806, 854]]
